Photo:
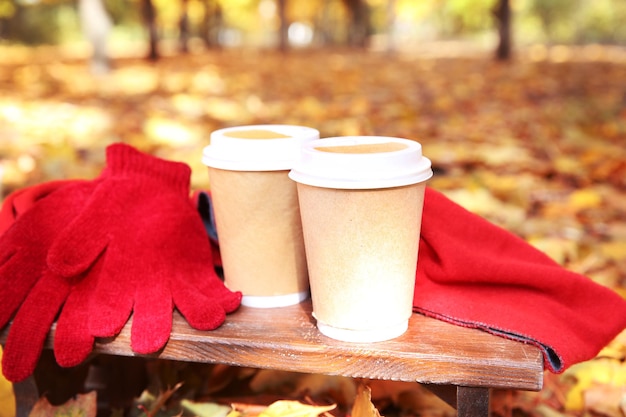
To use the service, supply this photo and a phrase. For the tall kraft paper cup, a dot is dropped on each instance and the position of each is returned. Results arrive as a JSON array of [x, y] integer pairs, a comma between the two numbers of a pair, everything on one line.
[[361, 201], [256, 211]]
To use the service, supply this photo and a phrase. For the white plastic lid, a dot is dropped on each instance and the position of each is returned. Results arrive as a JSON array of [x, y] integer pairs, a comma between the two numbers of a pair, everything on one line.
[[257, 147], [361, 162]]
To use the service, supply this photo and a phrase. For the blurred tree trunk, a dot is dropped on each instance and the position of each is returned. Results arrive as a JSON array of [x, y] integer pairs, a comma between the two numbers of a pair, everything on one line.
[[149, 16], [551, 13], [14, 23], [183, 27], [503, 16], [325, 27], [359, 27], [32, 25], [211, 23], [283, 34], [391, 23], [96, 26]]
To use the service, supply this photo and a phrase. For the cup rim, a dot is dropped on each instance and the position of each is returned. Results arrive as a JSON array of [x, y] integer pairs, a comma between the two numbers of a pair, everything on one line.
[[241, 154], [396, 168]]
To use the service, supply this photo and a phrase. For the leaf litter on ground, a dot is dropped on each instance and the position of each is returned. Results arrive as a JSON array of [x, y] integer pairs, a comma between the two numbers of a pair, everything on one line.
[[536, 146]]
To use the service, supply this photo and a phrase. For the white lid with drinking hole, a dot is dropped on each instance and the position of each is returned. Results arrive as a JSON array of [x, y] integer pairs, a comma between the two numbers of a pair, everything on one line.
[[257, 147], [361, 162]]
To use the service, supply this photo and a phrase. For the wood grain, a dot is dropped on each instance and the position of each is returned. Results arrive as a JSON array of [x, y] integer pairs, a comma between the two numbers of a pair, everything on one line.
[[431, 351]]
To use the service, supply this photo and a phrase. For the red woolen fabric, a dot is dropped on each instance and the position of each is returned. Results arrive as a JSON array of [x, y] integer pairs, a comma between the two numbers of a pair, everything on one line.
[[19, 201], [32, 218], [473, 273], [154, 250], [30, 290]]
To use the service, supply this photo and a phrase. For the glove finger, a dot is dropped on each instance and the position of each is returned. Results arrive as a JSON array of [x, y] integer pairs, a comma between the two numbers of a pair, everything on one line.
[[152, 315], [206, 281], [229, 300], [84, 239], [18, 274], [23, 246], [200, 311], [73, 341], [31, 325], [113, 294], [198, 268]]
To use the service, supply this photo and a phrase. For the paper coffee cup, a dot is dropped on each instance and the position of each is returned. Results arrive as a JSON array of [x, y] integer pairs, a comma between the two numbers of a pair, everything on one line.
[[361, 201], [257, 214]]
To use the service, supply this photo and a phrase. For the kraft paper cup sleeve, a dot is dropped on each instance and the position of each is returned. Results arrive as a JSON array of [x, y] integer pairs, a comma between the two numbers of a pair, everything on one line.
[[260, 236]]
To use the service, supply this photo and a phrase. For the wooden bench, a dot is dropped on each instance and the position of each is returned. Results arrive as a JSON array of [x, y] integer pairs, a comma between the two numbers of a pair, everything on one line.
[[458, 364]]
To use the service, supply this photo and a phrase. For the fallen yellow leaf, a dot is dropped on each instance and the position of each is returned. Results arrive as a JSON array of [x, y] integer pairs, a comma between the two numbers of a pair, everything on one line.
[[7, 399], [285, 408], [363, 406], [200, 409], [603, 371], [84, 405], [585, 199], [615, 250]]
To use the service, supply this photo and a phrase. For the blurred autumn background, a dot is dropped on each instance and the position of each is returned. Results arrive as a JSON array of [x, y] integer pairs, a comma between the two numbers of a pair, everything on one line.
[[520, 104]]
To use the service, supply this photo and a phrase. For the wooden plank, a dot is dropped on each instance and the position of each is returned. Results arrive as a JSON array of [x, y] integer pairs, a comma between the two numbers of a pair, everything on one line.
[[431, 351]]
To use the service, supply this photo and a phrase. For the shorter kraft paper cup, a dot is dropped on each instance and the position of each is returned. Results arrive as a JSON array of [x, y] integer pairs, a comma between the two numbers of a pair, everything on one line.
[[361, 201], [257, 214]]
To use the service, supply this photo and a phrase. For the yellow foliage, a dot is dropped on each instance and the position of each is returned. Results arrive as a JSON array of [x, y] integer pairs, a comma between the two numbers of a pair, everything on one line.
[[588, 374], [84, 405], [169, 132], [7, 9], [614, 250], [414, 9], [294, 409], [200, 409], [363, 406], [304, 10], [584, 199], [560, 249], [7, 399]]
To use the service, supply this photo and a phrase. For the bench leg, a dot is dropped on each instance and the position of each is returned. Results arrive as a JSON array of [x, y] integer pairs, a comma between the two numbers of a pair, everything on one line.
[[469, 402], [447, 393], [26, 395], [472, 402]]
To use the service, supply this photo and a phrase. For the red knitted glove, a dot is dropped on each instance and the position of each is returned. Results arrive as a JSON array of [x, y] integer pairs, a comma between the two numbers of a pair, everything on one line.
[[154, 251], [26, 283], [19, 201]]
